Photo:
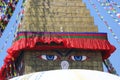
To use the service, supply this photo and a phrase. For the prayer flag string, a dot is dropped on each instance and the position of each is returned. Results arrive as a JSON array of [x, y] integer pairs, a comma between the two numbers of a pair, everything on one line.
[[13, 28], [7, 8], [105, 22], [112, 2], [109, 66], [111, 11]]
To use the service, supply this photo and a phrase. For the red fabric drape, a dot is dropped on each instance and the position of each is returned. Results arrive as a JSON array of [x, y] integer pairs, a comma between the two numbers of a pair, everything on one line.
[[78, 43]]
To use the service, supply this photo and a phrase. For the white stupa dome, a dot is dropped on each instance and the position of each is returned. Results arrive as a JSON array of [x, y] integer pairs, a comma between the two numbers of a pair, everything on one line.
[[68, 74]]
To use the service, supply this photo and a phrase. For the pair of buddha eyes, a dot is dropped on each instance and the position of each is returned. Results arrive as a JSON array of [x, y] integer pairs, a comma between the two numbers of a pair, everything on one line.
[[55, 57]]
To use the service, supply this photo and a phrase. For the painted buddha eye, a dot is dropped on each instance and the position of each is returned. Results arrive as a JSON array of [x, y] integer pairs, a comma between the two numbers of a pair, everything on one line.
[[78, 58], [49, 57]]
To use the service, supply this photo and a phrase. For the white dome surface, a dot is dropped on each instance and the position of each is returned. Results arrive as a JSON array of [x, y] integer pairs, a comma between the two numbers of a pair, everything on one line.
[[68, 74]]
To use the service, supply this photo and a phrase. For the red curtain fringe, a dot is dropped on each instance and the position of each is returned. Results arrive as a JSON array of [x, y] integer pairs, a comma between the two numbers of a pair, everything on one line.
[[78, 43], [86, 44]]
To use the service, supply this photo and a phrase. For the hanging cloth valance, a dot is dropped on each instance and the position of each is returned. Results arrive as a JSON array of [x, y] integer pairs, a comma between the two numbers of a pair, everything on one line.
[[56, 40], [78, 40]]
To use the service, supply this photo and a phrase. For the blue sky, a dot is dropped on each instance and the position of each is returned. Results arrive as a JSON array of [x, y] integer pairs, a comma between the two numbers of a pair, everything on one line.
[[115, 57]]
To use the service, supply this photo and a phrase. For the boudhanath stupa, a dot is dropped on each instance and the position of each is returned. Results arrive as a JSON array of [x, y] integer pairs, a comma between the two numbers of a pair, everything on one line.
[[57, 40]]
